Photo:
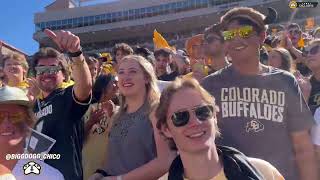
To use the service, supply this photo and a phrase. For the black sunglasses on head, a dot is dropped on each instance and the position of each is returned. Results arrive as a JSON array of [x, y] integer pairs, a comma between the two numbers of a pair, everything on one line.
[[182, 117]]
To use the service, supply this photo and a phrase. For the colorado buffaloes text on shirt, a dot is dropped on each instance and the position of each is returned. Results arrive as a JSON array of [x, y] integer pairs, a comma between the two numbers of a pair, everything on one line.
[[252, 103]]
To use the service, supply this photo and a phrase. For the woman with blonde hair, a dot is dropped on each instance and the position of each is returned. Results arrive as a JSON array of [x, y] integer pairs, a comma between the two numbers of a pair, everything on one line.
[[135, 148]]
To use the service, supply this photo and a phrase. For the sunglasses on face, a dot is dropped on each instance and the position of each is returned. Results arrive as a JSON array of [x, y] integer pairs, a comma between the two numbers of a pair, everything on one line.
[[47, 69], [294, 31], [13, 118], [243, 32], [311, 50], [203, 113]]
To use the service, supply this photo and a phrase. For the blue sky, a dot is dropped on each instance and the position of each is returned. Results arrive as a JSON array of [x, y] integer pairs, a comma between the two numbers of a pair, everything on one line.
[[17, 26]]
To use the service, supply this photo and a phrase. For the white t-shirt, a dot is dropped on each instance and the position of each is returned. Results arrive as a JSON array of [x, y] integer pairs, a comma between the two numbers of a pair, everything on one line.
[[315, 131], [163, 84], [46, 172]]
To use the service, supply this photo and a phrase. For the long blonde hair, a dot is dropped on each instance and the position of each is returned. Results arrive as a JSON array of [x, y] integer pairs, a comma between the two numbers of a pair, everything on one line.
[[153, 93]]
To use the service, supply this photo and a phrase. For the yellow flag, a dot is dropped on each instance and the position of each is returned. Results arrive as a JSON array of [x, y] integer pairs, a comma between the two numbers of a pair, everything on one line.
[[301, 43], [158, 41]]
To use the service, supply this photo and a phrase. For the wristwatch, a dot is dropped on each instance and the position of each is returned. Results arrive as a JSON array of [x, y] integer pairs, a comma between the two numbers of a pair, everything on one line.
[[75, 54]]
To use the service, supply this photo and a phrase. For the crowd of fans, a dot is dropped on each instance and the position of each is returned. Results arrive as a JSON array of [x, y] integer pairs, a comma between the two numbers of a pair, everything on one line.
[[239, 102]]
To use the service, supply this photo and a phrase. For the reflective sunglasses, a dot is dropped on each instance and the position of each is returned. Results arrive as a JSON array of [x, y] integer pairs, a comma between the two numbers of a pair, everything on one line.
[[13, 118], [310, 50], [47, 69], [211, 39], [243, 32], [182, 117], [294, 31]]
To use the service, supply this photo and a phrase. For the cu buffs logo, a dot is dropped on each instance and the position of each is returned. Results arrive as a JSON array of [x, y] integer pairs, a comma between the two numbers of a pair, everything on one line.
[[293, 4], [254, 126]]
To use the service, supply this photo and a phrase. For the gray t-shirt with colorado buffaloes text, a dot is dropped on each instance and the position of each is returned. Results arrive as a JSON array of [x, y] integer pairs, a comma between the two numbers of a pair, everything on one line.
[[258, 113]]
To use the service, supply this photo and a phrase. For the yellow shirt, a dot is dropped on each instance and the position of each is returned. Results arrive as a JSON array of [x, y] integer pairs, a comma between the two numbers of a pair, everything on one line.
[[220, 176], [94, 150], [21, 85]]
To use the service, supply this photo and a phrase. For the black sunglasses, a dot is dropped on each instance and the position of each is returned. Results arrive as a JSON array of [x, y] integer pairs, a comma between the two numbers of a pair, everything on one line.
[[310, 50], [203, 113], [295, 31]]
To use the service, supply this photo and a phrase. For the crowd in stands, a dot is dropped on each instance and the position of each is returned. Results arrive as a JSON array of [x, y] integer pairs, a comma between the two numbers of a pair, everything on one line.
[[238, 100]]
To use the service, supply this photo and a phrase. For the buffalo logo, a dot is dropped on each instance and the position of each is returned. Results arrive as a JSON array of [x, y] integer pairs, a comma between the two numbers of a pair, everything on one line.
[[31, 168], [254, 126]]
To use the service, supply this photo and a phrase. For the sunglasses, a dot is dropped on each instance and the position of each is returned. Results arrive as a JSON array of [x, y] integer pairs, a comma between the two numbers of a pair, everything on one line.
[[203, 113], [243, 32], [13, 118], [295, 31], [47, 69], [310, 50], [211, 39]]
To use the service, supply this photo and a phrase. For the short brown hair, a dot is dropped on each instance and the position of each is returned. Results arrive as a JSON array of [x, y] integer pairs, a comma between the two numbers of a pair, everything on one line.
[[166, 97], [213, 29], [241, 13], [122, 47], [49, 52], [15, 56]]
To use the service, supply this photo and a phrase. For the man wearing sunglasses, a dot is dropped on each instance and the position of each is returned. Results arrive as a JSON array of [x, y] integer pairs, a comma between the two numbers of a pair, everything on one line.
[[16, 119], [213, 39], [263, 113], [59, 109]]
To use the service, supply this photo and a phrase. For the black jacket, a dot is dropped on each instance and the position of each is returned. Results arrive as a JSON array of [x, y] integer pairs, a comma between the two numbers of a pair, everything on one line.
[[235, 164]]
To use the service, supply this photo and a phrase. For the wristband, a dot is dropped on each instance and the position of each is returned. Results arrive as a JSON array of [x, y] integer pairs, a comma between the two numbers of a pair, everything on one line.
[[102, 172], [75, 54]]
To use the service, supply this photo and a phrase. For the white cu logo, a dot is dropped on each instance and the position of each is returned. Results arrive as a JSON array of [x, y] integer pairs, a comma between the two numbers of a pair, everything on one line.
[[254, 126], [31, 167]]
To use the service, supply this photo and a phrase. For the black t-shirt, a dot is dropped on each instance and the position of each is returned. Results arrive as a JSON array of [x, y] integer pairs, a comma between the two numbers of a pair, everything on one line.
[[169, 77], [60, 119], [314, 99]]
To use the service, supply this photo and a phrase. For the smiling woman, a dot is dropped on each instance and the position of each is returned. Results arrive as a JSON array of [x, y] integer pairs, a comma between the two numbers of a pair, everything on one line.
[[16, 118], [132, 126]]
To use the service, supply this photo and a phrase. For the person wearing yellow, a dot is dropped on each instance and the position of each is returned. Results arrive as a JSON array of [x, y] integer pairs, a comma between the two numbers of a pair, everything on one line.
[[96, 122], [198, 61], [15, 68], [190, 127]]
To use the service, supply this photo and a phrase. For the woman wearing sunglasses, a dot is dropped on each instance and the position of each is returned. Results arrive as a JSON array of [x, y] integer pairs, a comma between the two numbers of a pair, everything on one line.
[[135, 150], [190, 126], [312, 56]]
